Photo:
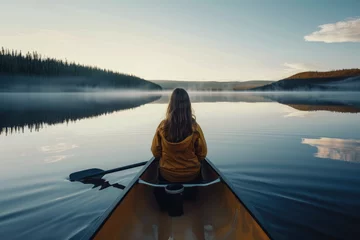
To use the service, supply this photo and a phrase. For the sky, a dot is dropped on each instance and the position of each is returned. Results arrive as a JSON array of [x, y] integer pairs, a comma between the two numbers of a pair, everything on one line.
[[189, 40]]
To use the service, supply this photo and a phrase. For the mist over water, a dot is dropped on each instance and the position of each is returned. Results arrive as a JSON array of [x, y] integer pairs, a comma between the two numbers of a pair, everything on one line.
[[292, 157]]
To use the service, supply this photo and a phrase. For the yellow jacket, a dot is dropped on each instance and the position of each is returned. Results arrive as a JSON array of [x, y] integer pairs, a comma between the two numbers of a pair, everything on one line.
[[179, 162]]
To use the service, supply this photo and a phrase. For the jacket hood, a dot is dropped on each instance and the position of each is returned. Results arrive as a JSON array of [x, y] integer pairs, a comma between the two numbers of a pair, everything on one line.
[[179, 146]]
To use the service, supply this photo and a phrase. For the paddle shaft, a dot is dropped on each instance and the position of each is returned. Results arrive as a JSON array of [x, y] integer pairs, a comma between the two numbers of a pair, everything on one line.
[[118, 169]]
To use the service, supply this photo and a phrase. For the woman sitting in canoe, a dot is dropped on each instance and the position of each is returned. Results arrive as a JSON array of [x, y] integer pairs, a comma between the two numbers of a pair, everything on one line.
[[179, 141]]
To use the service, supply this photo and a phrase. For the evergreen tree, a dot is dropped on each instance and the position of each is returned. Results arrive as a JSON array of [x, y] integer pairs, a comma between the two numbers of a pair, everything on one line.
[[16, 63]]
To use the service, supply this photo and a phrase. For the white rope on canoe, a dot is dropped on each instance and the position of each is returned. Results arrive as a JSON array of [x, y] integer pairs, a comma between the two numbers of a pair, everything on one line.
[[184, 185]]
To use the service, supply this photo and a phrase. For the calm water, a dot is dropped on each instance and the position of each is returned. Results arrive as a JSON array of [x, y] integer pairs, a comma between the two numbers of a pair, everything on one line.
[[293, 158]]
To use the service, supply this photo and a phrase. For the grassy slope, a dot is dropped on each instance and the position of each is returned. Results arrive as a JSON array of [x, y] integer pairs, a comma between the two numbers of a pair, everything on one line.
[[315, 81], [344, 73]]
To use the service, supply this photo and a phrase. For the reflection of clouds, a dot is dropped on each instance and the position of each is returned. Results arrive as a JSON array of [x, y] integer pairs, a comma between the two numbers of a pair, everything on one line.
[[297, 114], [58, 158], [336, 148], [60, 147], [55, 149], [291, 112]]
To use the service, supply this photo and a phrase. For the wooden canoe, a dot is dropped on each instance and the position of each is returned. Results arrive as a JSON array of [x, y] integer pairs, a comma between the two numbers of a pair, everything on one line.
[[217, 213]]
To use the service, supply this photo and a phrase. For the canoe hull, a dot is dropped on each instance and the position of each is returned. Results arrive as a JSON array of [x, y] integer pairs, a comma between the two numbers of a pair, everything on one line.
[[217, 213]]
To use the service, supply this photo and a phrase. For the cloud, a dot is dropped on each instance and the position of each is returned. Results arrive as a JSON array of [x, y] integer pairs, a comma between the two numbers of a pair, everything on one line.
[[293, 68], [299, 67], [289, 69], [343, 31]]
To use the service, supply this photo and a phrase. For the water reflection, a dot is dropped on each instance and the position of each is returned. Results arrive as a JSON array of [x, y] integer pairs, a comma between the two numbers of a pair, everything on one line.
[[34, 110], [60, 147], [56, 152], [56, 158], [297, 197], [199, 97], [343, 102], [336, 148], [297, 114], [102, 183]]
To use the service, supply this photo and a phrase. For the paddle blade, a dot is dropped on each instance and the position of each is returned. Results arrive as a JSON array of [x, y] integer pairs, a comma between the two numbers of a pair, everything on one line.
[[76, 176]]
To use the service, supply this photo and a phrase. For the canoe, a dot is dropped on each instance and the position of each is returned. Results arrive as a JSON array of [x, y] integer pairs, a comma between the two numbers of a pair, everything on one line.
[[216, 212]]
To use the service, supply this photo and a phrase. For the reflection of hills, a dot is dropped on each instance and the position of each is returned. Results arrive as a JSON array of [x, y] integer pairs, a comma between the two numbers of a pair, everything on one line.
[[315, 101], [334, 102], [220, 97], [33, 110], [344, 109], [336, 148]]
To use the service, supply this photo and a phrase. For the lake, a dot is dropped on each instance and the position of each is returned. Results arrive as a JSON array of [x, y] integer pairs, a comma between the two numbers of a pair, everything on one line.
[[293, 158]]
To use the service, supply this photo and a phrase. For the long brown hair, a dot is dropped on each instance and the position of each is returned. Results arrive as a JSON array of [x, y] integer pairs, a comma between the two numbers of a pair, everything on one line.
[[179, 116]]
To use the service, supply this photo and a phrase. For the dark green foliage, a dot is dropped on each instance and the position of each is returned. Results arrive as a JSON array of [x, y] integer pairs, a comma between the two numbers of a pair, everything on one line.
[[14, 63]]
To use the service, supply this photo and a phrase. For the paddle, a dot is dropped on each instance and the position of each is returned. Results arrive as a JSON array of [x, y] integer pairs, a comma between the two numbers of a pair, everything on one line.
[[99, 173]]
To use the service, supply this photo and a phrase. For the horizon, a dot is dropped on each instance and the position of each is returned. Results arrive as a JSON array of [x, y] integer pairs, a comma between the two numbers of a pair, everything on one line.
[[43, 57], [195, 41]]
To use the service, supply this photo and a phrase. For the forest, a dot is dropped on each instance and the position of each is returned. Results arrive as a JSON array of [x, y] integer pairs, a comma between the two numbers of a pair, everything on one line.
[[29, 69]]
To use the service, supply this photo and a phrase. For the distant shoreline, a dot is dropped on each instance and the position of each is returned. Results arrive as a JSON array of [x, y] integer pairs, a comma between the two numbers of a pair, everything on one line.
[[31, 72], [210, 85]]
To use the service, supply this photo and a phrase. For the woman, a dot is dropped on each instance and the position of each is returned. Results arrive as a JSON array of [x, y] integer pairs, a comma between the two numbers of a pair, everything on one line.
[[179, 141], [180, 144]]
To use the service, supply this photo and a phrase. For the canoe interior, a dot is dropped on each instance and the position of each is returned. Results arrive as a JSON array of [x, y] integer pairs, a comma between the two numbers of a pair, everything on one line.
[[215, 214]]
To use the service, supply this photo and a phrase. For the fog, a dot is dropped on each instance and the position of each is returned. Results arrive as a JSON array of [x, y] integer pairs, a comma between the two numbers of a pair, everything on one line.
[[34, 109]]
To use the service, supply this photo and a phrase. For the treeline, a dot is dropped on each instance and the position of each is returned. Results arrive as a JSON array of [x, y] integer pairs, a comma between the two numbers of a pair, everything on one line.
[[329, 74], [15, 63]]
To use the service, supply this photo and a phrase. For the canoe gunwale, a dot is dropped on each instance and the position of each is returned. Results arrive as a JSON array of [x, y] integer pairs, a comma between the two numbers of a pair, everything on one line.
[[93, 230], [231, 188], [205, 184]]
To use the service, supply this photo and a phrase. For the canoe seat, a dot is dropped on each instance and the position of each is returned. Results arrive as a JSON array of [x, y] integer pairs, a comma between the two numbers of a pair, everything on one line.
[[201, 181], [152, 177]]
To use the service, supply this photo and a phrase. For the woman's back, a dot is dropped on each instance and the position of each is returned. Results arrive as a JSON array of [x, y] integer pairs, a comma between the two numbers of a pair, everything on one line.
[[179, 141]]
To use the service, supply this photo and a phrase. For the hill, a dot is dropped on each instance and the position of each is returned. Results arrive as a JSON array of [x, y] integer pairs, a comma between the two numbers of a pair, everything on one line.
[[330, 74], [338, 80], [32, 72], [209, 85]]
